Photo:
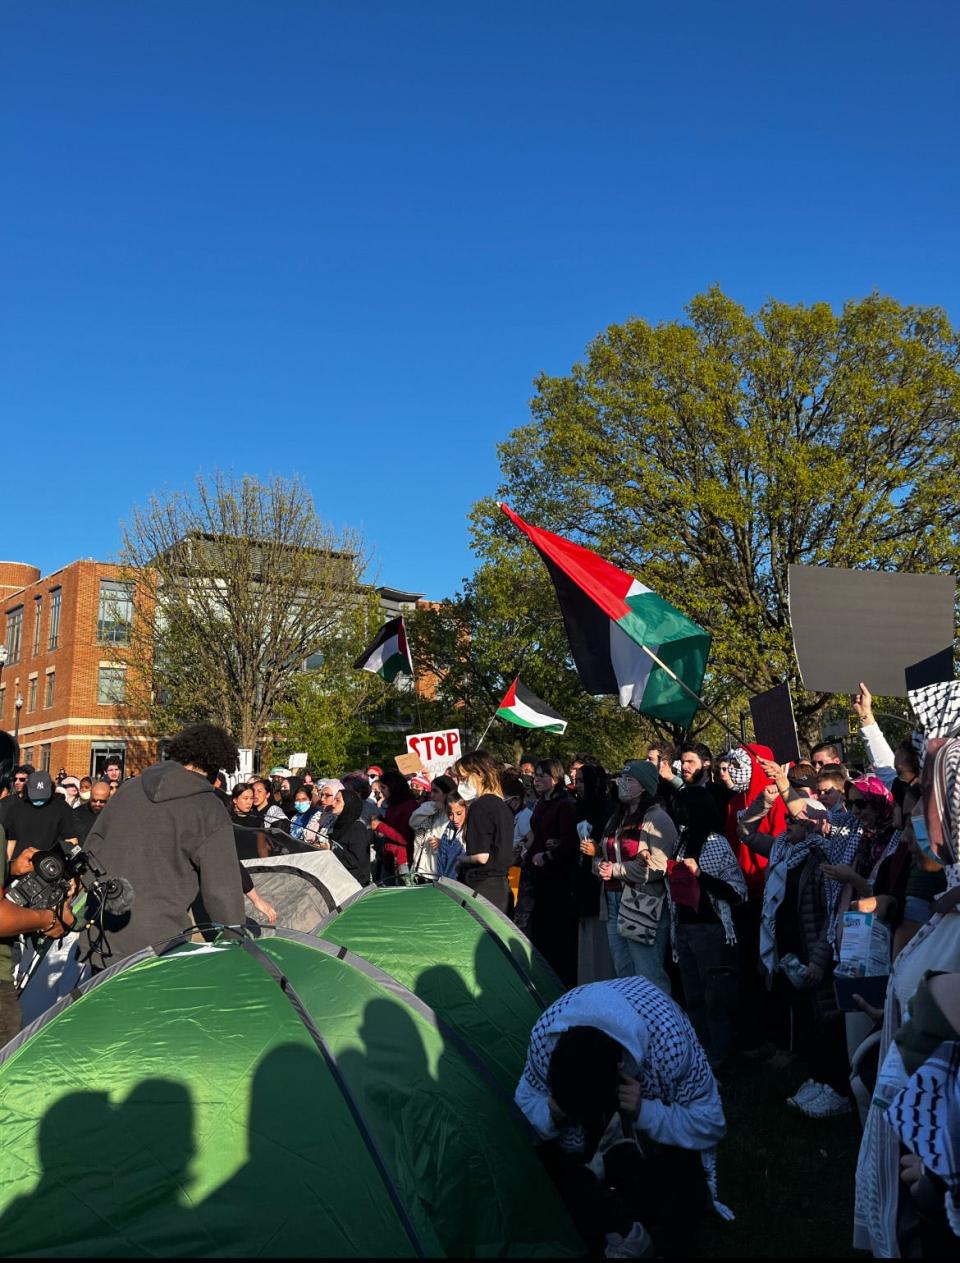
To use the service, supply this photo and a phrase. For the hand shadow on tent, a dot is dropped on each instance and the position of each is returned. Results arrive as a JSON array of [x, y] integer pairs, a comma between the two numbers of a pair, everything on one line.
[[109, 1176], [288, 1195], [426, 1126]]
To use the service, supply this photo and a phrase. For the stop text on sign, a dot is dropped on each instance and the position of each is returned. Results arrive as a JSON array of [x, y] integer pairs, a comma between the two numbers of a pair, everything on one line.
[[435, 749]]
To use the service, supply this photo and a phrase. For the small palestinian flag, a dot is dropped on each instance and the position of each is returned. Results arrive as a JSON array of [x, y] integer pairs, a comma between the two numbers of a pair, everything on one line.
[[521, 707], [388, 656], [610, 617]]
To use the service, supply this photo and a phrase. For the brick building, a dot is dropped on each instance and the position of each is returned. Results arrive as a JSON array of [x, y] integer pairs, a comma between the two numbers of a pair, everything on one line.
[[64, 636]]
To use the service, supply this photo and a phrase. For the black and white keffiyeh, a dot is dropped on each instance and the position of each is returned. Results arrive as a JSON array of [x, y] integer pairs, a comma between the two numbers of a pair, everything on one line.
[[716, 860], [937, 707], [925, 1114], [667, 1057], [739, 763]]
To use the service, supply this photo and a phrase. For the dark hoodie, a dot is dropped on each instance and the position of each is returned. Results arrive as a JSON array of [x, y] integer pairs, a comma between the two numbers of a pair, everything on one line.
[[351, 839], [168, 833]]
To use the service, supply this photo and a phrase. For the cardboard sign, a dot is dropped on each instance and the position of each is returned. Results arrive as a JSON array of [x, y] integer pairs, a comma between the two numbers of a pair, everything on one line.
[[870, 625], [435, 750], [408, 764], [774, 724]]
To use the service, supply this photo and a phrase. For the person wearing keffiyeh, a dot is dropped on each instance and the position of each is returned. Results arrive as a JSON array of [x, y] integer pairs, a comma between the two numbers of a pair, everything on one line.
[[936, 824], [618, 1059], [704, 884]]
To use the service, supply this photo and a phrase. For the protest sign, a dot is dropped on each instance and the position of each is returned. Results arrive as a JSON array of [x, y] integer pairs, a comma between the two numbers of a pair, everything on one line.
[[436, 750], [297, 760], [408, 764], [870, 625], [774, 724]]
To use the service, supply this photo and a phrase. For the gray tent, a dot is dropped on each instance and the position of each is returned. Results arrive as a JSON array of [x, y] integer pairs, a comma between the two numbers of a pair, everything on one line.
[[304, 888]]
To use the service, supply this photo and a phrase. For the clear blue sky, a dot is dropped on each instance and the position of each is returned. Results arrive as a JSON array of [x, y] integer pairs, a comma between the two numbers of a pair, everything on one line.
[[340, 239]]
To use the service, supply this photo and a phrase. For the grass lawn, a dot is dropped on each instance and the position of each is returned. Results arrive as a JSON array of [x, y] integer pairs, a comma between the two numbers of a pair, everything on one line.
[[788, 1179]]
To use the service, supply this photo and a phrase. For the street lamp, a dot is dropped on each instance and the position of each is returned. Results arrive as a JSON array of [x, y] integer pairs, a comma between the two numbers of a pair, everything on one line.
[[18, 704]]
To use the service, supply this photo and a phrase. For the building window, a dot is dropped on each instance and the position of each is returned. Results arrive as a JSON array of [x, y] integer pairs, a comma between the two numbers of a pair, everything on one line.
[[14, 634], [3, 700], [28, 756], [37, 612], [45, 758], [32, 694], [116, 613], [111, 686], [55, 596], [101, 751], [48, 694]]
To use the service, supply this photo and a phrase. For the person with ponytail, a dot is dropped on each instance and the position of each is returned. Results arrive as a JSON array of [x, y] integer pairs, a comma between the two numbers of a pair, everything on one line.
[[488, 834]]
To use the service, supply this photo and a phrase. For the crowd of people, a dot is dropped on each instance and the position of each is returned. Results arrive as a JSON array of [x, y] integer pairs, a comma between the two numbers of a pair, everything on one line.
[[699, 908]]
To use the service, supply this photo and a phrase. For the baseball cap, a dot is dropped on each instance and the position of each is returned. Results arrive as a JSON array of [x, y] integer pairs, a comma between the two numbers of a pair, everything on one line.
[[280, 771], [39, 786], [373, 772]]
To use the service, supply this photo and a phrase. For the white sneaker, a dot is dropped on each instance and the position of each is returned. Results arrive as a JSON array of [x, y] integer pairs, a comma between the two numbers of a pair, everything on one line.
[[806, 1092], [826, 1104]]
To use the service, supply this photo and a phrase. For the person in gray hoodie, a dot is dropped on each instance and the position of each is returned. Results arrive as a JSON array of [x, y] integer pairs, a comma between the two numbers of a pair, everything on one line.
[[167, 832]]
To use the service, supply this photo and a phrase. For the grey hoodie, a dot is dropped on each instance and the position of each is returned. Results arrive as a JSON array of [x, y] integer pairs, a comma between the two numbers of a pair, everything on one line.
[[169, 834]]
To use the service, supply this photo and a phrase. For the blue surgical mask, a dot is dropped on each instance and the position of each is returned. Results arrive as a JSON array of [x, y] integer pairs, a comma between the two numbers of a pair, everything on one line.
[[301, 807], [923, 839]]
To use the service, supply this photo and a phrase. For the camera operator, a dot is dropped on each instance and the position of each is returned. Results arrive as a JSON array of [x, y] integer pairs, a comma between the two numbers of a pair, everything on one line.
[[166, 831], [13, 921], [40, 819]]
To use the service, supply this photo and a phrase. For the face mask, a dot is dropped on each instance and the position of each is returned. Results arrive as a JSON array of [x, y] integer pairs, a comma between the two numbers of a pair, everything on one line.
[[85, 795], [38, 802], [628, 789], [466, 791], [301, 807], [923, 839]]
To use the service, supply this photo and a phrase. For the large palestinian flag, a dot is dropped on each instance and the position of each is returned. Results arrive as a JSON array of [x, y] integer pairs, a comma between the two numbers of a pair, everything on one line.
[[521, 707], [388, 656], [609, 615]]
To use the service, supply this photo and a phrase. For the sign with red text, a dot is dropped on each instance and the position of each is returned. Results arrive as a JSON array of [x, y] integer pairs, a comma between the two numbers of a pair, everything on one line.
[[435, 750]]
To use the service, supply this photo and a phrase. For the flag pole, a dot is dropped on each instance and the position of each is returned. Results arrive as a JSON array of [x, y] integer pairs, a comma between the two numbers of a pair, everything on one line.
[[486, 730], [737, 741]]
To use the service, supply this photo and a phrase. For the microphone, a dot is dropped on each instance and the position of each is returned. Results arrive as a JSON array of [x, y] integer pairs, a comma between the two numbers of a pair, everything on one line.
[[117, 895]]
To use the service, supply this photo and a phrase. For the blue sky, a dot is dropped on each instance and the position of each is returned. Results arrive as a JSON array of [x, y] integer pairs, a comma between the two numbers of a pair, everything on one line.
[[339, 240]]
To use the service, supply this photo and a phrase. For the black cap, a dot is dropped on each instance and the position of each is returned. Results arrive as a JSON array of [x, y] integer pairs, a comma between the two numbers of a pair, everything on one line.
[[39, 786]]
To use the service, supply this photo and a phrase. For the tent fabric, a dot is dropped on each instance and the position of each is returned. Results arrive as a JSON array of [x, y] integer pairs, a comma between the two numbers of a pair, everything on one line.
[[303, 888], [485, 987], [265, 1097]]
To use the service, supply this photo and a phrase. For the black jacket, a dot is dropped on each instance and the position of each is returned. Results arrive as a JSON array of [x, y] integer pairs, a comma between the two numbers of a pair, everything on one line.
[[351, 839]]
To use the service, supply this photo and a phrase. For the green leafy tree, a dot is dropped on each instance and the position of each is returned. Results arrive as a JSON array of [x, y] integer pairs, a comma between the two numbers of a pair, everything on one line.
[[706, 456], [506, 622], [332, 712]]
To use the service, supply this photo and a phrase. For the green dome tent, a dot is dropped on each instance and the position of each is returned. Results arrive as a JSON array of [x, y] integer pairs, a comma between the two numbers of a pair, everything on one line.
[[274, 1097], [461, 956]]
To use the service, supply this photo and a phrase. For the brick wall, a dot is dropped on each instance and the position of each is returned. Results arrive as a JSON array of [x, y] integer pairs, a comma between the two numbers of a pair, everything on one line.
[[76, 722]]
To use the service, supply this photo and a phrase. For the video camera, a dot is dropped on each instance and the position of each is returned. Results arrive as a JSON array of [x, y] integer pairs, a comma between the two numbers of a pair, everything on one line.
[[48, 886]]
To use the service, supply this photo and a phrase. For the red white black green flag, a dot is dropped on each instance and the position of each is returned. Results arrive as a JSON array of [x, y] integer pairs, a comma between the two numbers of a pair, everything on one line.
[[389, 655], [610, 616], [521, 707]]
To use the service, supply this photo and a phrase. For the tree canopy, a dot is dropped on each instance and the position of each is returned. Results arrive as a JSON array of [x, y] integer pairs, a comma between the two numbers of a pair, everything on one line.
[[707, 455], [247, 584]]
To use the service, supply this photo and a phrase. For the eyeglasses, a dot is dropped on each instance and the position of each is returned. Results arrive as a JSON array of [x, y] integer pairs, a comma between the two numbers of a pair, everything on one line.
[[326, 793], [21, 778]]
